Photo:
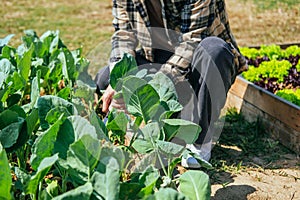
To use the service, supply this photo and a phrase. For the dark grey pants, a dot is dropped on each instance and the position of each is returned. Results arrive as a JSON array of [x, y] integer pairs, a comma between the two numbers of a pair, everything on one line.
[[203, 95]]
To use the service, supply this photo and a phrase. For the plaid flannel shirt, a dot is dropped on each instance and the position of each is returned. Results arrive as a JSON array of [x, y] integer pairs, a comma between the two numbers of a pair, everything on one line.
[[193, 19]]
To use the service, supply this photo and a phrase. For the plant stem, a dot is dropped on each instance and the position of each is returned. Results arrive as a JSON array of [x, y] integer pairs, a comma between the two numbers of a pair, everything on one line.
[[20, 159], [159, 158], [33, 197], [40, 189], [175, 180], [169, 168], [161, 162], [63, 175], [64, 182]]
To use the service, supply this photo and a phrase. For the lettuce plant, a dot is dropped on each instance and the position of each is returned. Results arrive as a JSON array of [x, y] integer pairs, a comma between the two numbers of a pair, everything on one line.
[[274, 69], [290, 95], [269, 69]]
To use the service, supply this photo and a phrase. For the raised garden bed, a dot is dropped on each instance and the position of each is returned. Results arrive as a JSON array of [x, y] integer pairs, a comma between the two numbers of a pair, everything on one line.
[[279, 116]]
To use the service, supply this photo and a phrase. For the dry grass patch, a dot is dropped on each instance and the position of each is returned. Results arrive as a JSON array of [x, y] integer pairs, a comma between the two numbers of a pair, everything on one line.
[[253, 25]]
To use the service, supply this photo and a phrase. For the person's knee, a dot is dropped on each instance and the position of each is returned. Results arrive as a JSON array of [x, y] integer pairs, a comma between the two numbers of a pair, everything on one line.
[[219, 50], [221, 54]]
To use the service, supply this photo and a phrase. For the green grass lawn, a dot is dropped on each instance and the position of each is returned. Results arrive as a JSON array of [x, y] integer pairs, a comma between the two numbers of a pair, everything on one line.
[[87, 23], [81, 23]]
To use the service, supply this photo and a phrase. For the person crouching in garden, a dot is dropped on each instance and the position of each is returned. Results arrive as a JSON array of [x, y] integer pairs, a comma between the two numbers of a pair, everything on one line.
[[189, 41]]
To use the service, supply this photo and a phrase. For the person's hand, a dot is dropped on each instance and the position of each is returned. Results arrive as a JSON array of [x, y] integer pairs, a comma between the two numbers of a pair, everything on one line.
[[109, 102], [107, 98]]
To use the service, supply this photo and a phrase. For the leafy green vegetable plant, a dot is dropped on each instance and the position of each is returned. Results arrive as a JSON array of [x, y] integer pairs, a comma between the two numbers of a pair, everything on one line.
[[151, 99], [290, 95], [273, 52], [274, 69], [59, 148], [39, 66], [269, 69]]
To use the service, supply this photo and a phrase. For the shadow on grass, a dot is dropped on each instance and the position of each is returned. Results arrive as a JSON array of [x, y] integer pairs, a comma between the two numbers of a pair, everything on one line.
[[233, 192], [243, 145], [247, 143]]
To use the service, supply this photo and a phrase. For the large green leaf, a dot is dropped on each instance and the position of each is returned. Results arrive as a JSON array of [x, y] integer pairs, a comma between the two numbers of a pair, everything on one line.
[[5, 40], [168, 194], [65, 93], [147, 160], [22, 139], [29, 37], [182, 129], [9, 53], [6, 67], [142, 146], [35, 92], [13, 100], [84, 91], [148, 180], [13, 83], [19, 82], [7, 117], [130, 85], [111, 151], [82, 66], [32, 120], [99, 125], [73, 128], [68, 65], [22, 179], [123, 68], [107, 184], [143, 102], [57, 112], [44, 145], [48, 102], [164, 87], [42, 170], [83, 157], [24, 64], [55, 73], [82, 192], [82, 127], [129, 190], [117, 123], [13, 129], [146, 138], [5, 176], [171, 107], [9, 135], [51, 40], [65, 137], [195, 185], [150, 131], [169, 148], [40, 49]]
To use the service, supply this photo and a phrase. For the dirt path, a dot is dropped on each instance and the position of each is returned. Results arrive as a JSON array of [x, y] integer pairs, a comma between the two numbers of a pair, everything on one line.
[[280, 184], [258, 180]]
